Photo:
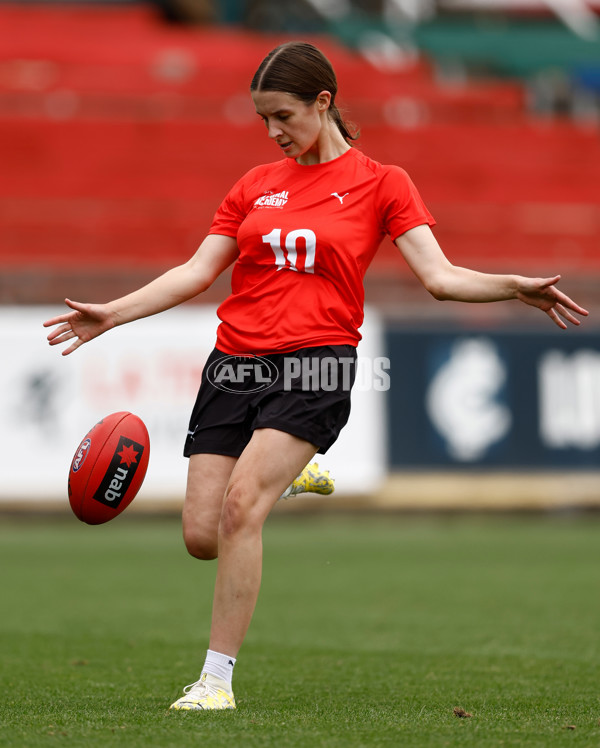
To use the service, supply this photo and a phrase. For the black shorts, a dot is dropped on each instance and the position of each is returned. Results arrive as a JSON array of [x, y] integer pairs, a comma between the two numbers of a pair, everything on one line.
[[305, 393]]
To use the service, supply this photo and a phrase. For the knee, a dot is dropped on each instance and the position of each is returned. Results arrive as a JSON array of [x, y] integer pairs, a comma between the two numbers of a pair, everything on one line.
[[238, 515], [200, 544]]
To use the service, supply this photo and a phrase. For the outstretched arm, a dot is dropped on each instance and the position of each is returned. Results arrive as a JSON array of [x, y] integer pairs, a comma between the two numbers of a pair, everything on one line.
[[448, 282], [87, 321]]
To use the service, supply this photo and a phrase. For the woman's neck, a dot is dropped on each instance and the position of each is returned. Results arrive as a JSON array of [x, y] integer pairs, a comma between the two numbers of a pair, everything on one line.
[[329, 146]]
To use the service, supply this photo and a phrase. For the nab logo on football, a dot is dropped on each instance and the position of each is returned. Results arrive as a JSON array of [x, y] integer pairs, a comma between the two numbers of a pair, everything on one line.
[[82, 453], [120, 473], [242, 374]]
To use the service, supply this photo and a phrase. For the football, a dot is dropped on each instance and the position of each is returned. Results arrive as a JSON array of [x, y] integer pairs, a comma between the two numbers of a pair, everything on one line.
[[108, 468]]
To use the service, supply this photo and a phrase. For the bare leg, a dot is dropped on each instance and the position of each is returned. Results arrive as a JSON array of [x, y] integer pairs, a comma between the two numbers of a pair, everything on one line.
[[267, 466], [208, 476]]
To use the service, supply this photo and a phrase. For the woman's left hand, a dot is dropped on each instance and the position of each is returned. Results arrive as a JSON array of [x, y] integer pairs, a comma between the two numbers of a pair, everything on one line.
[[543, 294]]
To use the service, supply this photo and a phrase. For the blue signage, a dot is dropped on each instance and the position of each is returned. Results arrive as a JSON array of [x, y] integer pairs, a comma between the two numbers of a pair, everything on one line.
[[494, 399]]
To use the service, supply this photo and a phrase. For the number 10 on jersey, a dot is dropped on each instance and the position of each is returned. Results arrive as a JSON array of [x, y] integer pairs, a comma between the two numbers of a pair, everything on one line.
[[287, 256]]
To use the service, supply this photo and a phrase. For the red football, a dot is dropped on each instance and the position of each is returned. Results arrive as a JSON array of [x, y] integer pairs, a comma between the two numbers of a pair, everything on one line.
[[108, 468]]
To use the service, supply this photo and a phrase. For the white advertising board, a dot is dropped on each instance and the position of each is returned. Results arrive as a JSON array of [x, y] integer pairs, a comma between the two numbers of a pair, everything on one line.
[[152, 368]]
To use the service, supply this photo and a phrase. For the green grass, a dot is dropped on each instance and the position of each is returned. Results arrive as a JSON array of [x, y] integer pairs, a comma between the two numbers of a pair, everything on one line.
[[368, 632]]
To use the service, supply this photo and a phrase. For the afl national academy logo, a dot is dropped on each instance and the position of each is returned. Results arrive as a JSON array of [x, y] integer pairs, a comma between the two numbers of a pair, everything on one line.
[[242, 374], [270, 200]]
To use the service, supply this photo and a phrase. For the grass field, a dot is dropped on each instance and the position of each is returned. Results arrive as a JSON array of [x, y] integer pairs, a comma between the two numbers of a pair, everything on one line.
[[369, 632]]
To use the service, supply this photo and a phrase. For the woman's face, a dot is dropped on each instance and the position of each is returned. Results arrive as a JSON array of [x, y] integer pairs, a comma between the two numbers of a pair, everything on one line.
[[292, 124]]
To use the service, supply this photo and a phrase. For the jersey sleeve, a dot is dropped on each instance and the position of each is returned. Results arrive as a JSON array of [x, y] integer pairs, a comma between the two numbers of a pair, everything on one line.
[[232, 210], [400, 205]]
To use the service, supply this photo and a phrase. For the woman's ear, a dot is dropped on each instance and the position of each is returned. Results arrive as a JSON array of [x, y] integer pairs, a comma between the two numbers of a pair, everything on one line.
[[323, 101]]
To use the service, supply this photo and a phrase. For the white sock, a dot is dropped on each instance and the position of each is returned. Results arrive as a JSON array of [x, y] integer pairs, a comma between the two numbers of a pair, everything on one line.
[[219, 665]]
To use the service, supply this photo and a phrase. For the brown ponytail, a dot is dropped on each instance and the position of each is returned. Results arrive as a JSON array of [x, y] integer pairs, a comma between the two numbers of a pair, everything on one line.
[[300, 69]]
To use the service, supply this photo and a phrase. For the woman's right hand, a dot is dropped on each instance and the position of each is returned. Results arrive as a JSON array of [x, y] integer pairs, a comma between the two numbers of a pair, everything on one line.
[[83, 323]]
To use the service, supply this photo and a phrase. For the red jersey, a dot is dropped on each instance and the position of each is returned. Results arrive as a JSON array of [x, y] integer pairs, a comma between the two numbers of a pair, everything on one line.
[[306, 236]]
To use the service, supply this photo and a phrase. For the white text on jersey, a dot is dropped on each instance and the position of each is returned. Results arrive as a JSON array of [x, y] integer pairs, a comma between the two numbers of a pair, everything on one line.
[[274, 201]]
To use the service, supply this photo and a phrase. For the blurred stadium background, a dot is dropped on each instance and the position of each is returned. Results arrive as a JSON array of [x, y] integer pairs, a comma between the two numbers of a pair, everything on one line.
[[122, 126]]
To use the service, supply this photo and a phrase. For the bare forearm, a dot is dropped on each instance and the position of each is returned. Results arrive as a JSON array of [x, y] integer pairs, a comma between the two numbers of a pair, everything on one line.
[[179, 284], [446, 281], [84, 322], [462, 284], [168, 290]]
